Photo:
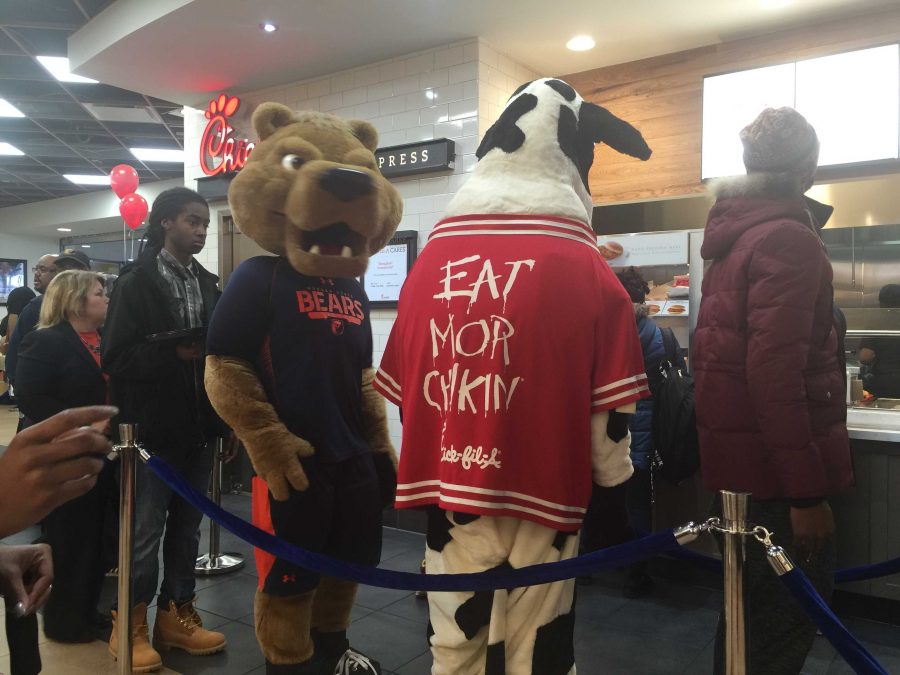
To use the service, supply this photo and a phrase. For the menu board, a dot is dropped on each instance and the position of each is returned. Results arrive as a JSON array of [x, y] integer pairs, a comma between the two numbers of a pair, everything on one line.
[[388, 269], [668, 307], [655, 248]]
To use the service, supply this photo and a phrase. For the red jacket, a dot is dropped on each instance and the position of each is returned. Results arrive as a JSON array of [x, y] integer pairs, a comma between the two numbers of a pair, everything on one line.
[[771, 412], [511, 334]]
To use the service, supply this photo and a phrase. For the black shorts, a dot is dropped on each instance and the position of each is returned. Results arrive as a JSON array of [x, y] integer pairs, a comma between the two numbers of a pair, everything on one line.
[[339, 514]]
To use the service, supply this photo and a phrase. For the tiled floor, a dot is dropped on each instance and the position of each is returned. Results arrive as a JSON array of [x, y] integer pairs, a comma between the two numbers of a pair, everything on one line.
[[667, 633]]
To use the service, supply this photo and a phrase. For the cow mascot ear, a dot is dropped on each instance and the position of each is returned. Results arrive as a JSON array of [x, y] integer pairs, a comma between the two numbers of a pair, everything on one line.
[[601, 126]]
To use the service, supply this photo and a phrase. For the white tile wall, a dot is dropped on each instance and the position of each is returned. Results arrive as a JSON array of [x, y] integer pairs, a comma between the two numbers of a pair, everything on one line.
[[455, 92]]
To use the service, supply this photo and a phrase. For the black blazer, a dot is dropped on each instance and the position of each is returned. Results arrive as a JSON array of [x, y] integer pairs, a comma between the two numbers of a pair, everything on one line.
[[56, 371]]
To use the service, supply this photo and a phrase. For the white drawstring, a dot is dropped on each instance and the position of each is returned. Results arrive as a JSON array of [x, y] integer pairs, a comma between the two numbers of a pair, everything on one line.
[[353, 661]]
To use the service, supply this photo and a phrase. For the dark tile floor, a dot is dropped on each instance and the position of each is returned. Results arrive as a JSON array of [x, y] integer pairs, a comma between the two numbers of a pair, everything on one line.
[[669, 632]]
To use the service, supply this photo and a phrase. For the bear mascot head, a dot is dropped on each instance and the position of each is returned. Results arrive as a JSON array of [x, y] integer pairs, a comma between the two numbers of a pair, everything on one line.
[[311, 192]]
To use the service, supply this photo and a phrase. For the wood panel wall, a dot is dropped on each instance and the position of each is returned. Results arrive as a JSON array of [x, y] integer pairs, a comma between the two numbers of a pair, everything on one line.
[[662, 96]]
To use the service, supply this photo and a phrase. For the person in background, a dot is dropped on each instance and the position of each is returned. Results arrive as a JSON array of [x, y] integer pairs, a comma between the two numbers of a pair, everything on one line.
[[47, 268], [640, 486], [42, 468], [882, 354], [15, 303], [59, 368], [771, 416], [159, 386]]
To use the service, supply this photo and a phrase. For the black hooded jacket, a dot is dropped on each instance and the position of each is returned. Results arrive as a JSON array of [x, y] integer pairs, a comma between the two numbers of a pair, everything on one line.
[[151, 386]]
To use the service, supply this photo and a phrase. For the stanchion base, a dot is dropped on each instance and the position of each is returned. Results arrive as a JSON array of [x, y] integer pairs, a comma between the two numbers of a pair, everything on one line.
[[220, 564]]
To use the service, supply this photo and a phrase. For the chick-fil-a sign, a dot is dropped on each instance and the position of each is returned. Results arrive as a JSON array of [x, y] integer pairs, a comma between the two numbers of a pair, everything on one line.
[[220, 152]]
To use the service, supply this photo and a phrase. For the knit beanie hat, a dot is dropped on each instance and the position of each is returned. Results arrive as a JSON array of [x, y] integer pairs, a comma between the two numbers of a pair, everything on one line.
[[780, 140]]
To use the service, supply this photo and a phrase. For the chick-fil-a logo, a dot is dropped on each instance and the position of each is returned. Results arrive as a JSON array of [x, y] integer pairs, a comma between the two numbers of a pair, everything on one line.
[[219, 151]]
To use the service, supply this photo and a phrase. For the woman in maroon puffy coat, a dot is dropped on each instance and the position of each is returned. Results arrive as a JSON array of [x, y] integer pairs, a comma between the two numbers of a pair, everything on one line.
[[769, 390]]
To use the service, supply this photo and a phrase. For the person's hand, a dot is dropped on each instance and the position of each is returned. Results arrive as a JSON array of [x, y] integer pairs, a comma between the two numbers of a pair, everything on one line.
[[26, 575], [230, 447], [189, 352], [49, 464], [812, 527]]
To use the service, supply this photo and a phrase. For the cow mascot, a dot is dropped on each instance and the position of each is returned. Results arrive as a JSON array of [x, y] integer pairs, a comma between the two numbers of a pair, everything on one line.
[[289, 368], [514, 358]]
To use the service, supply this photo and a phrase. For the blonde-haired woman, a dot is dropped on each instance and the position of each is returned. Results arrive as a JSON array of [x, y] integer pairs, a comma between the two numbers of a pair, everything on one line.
[[59, 368]]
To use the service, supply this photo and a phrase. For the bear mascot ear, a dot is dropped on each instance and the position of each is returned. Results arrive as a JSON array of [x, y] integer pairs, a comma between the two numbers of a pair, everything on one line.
[[601, 126], [269, 117], [365, 132]]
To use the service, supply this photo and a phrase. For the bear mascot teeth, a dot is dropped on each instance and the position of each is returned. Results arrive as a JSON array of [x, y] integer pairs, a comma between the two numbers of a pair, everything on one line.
[[514, 358], [289, 368]]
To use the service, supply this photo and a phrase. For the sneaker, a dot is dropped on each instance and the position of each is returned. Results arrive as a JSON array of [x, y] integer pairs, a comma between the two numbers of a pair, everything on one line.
[[353, 662]]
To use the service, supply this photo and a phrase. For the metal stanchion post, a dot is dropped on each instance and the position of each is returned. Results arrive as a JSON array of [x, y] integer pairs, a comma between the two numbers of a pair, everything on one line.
[[127, 457], [735, 508], [215, 562]]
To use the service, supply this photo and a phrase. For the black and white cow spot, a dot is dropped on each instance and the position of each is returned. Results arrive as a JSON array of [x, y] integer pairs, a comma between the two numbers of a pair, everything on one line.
[[504, 134], [475, 613], [437, 533], [617, 428], [495, 659], [554, 652]]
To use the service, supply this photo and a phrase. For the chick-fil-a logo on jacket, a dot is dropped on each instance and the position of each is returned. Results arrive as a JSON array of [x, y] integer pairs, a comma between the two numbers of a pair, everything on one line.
[[219, 151]]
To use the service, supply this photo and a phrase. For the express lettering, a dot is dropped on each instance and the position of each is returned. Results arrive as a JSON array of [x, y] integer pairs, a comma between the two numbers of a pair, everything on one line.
[[404, 158]]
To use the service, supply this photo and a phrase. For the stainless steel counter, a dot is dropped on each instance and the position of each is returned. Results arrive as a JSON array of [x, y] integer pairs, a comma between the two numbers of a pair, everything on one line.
[[872, 424]]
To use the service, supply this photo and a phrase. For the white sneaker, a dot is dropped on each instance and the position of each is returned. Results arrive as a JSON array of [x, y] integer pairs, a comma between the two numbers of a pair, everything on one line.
[[353, 662]]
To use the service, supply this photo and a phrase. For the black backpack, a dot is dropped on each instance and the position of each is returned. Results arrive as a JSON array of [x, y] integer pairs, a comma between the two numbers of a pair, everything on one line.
[[674, 418]]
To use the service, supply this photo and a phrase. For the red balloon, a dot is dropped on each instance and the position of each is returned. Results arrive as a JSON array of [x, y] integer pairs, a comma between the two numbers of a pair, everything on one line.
[[134, 210], [124, 180]]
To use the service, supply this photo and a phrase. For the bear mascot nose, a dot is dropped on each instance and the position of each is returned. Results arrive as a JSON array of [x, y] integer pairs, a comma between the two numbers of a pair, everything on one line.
[[346, 184]]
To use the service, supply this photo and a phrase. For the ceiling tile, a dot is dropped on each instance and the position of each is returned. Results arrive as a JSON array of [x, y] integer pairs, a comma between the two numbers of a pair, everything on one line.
[[41, 11], [51, 110], [42, 41]]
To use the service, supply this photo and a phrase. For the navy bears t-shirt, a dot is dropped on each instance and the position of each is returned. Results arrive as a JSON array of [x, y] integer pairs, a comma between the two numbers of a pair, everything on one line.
[[309, 339]]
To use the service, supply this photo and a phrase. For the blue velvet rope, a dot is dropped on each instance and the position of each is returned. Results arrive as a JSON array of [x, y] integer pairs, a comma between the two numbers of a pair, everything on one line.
[[854, 653], [532, 575], [861, 573]]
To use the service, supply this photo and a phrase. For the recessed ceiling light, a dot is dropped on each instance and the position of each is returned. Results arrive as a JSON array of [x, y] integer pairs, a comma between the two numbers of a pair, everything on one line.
[[7, 149], [85, 246], [581, 43], [158, 155], [63, 229], [268, 27], [86, 178], [430, 95], [7, 109], [58, 67]]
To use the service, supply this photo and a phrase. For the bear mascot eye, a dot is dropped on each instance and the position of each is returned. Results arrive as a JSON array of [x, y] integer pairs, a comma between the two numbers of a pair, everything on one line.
[[292, 162]]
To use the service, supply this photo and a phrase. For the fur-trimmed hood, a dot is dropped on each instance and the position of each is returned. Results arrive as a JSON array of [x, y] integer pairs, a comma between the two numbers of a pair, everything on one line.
[[743, 202], [641, 311]]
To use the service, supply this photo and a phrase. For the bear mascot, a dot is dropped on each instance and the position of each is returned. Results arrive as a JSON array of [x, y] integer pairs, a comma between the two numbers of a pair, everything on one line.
[[514, 358], [289, 368]]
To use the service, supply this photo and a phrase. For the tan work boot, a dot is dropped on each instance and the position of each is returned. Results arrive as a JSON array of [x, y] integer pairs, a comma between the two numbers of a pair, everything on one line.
[[144, 658], [182, 627]]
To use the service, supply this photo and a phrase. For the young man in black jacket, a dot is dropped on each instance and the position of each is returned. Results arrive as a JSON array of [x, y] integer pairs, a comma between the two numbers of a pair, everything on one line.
[[158, 385]]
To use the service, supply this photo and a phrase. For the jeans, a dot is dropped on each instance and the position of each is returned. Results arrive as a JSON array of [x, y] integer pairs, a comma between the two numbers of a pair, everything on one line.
[[160, 514]]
